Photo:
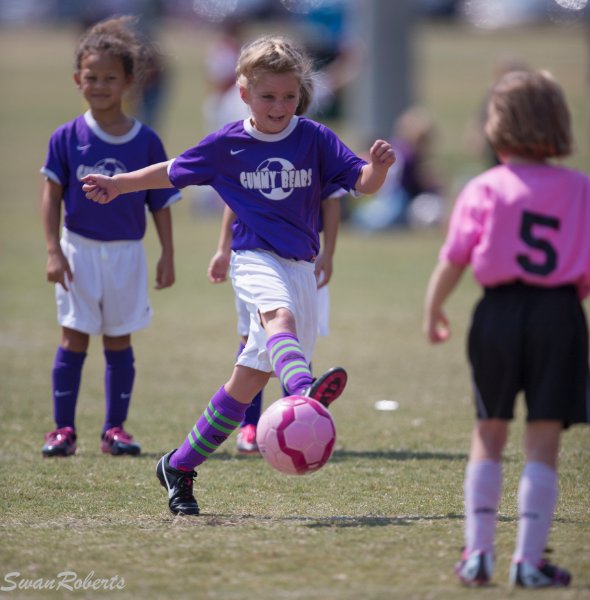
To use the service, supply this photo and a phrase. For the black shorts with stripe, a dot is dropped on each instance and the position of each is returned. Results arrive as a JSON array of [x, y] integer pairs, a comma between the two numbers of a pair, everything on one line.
[[535, 340]]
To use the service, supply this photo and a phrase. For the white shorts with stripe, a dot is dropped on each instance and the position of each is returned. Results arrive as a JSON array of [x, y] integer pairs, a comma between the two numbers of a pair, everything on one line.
[[264, 282], [109, 292]]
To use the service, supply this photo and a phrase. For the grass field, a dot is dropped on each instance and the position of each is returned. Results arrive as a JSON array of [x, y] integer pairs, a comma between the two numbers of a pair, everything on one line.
[[383, 519]]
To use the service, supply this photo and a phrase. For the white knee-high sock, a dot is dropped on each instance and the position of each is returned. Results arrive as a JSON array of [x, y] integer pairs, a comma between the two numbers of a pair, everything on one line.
[[537, 496], [483, 488]]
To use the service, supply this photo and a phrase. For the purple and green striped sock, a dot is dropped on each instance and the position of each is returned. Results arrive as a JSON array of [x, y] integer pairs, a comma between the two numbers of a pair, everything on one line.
[[288, 362], [222, 415]]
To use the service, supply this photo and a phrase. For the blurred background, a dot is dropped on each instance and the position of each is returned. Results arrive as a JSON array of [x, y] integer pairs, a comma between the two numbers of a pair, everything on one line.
[[413, 71]]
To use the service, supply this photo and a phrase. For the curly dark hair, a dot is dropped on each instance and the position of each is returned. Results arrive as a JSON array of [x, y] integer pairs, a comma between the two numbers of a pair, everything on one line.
[[119, 37]]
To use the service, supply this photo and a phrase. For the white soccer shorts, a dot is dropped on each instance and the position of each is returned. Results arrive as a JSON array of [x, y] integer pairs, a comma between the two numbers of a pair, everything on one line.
[[109, 292], [265, 282], [243, 323]]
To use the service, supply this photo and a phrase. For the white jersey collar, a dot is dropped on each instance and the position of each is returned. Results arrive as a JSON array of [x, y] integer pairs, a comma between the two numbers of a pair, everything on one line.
[[270, 137], [107, 137]]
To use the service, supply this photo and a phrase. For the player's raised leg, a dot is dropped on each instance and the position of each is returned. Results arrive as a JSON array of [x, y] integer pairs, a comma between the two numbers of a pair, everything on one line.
[[292, 369]]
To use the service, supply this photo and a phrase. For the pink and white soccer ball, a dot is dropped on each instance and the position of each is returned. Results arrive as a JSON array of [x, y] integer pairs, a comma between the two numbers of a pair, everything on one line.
[[296, 435]]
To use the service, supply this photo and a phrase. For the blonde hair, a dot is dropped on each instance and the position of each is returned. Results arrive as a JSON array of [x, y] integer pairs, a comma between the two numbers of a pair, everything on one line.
[[528, 116], [276, 55], [119, 37]]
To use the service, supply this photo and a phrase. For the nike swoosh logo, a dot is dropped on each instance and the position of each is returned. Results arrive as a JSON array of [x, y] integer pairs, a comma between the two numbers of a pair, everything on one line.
[[59, 394], [82, 148], [125, 396], [234, 152]]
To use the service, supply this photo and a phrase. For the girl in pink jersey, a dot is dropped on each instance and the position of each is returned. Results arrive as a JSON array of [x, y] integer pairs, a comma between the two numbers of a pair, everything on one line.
[[523, 227]]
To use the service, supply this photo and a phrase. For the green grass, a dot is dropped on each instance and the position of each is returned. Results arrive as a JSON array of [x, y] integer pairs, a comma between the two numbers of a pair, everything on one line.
[[384, 518]]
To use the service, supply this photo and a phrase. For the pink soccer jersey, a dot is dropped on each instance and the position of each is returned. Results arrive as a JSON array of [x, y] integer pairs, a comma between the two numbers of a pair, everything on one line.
[[525, 222]]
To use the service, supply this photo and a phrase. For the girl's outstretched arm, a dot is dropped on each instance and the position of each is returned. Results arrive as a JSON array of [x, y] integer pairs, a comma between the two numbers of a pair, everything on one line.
[[104, 189]]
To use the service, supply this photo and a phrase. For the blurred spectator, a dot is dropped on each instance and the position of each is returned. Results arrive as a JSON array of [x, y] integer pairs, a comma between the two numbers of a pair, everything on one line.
[[325, 30], [411, 193], [438, 9], [223, 103]]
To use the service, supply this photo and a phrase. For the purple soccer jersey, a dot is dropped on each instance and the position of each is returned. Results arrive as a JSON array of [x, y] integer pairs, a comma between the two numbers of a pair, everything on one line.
[[526, 223], [80, 147], [273, 183]]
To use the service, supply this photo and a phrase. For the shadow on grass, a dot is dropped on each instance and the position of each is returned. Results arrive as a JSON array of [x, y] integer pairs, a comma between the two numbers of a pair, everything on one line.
[[374, 521], [340, 455], [336, 521]]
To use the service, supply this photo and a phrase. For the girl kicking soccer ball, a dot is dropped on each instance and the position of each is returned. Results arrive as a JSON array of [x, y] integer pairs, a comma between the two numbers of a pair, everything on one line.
[[270, 169], [523, 226]]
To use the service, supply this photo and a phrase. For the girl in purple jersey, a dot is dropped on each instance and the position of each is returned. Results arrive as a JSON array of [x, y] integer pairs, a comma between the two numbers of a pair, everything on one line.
[[270, 169], [523, 226], [99, 265]]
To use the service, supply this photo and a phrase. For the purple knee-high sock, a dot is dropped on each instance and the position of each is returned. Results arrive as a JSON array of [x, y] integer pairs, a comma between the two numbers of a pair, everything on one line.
[[118, 384], [66, 377], [252, 415], [288, 362], [222, 415]]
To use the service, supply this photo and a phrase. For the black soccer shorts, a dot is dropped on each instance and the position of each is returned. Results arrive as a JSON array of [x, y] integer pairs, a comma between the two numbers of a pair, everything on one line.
[[535, 340]]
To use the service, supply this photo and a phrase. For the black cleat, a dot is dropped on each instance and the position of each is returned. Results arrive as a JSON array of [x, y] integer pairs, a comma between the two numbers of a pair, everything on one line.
[[525, 574], [475, 568], [327, 387], [179, 485]]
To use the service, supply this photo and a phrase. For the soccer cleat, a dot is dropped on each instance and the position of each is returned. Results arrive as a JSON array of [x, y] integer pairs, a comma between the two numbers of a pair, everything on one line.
[[179, 485], [246, 440], [525, 574], [475, 568], [61, 442], [117, 441], [327, 387]]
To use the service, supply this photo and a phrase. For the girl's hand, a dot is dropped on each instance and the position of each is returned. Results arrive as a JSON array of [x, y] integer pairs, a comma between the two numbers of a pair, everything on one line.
[[165, 276], [100, 188], [218, 267], [436, 327], [381, 155], [58, 269], [323, 270]]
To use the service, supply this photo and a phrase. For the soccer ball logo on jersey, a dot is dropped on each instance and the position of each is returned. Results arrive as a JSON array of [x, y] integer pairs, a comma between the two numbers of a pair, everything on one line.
[[275, 178], [106, 166]]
